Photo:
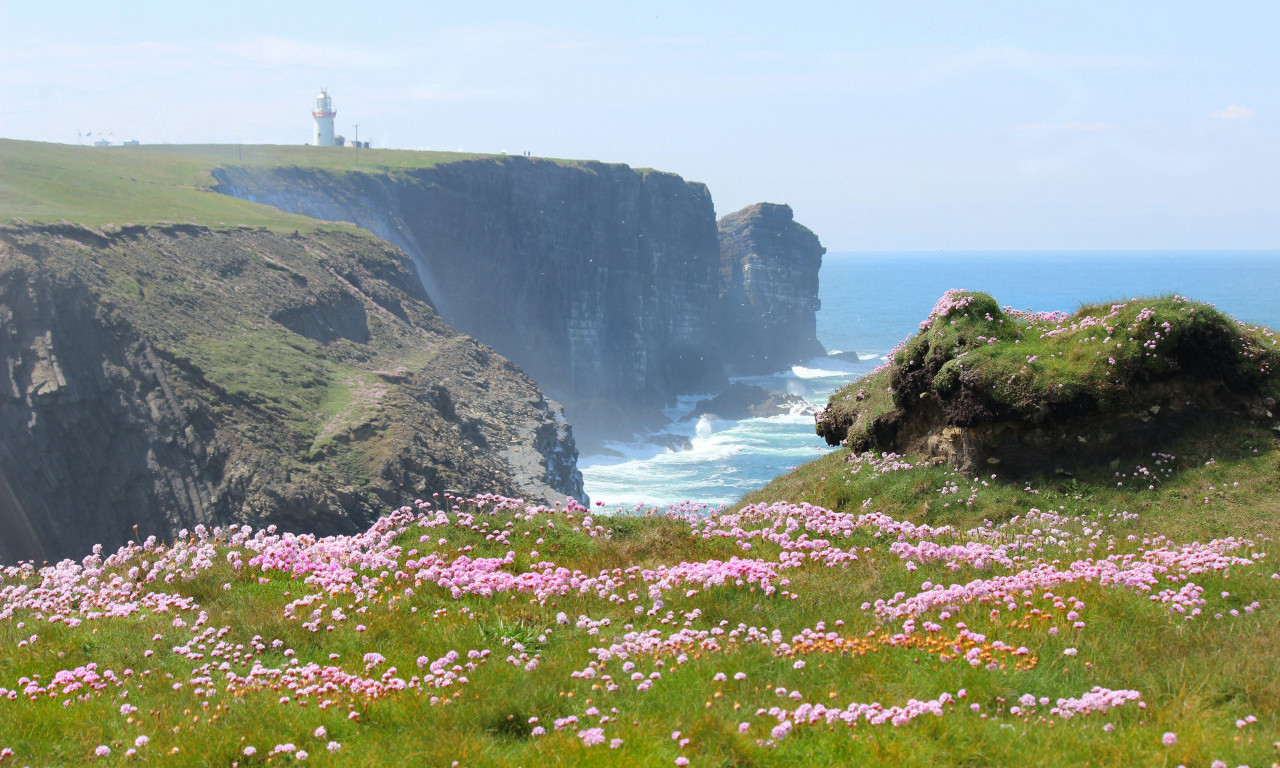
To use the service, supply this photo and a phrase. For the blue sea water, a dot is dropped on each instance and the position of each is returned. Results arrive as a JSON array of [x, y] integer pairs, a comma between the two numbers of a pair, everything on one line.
[[870, 302]]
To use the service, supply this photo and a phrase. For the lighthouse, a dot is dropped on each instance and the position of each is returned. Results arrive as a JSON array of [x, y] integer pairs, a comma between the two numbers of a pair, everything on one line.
[[324, 114]]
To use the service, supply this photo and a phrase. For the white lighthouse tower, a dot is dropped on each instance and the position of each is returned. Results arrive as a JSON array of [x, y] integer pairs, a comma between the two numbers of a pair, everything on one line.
[[324, 114]]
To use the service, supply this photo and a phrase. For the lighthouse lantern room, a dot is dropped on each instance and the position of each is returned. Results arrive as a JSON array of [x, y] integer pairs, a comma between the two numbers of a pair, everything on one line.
[[324, 114]]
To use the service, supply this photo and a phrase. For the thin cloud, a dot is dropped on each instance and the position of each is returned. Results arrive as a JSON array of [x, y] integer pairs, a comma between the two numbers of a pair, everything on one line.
[[1233, 112], [1086, 127], [1094, 126], [273, 52]]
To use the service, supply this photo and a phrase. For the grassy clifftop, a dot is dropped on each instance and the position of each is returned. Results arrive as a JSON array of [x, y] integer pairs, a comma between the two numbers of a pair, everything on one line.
[[150, 184]]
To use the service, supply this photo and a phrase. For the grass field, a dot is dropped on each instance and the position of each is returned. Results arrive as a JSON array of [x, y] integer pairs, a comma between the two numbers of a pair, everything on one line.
[[94, 186]]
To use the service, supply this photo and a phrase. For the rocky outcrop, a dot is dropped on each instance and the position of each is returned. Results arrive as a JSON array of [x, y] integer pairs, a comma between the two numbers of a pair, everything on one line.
[[981, 388], [769, 296], [167, 377], [1158, 414], [609, 285], [746, 401]]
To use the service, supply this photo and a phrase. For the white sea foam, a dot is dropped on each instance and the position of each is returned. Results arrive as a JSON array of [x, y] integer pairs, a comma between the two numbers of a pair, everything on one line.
[[727, 458], [817, 373]]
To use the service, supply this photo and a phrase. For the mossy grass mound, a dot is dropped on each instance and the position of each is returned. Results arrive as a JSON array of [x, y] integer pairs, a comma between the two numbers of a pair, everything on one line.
[[1144, 366]]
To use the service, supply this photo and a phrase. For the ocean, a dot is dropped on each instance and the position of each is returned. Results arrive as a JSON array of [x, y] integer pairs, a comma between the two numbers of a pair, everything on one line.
[[870, 302]]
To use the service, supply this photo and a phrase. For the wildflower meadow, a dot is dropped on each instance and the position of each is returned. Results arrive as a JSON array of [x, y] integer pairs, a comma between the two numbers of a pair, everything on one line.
[[487, 631]]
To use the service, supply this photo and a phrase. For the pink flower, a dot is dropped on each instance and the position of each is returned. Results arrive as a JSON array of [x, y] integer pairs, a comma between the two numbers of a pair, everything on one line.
[[141, 741], [333, 746], [250, 751], [682, 761], [102, 751], [1169, 738]]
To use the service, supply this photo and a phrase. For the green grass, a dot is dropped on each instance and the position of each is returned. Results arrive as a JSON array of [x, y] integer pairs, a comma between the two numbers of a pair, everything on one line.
[[94, 186]]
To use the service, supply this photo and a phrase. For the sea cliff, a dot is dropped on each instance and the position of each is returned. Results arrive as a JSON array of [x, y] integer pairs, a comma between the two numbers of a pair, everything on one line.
[[611, 286], [170, 376]]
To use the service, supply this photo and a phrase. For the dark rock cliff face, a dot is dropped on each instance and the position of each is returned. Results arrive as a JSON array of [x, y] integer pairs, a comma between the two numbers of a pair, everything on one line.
[[166, 377], [603, 282], [594, 278], [93, 439], [770, 290]]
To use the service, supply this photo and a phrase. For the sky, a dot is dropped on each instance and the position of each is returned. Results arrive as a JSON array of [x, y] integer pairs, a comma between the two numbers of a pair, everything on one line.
[[906, 125]]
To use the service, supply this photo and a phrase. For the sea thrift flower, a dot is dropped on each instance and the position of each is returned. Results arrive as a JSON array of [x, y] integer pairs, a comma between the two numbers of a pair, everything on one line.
[[1169, 738], [102, 751]]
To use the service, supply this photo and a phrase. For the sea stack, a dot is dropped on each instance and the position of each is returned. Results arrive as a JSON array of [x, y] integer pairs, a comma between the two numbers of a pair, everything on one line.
[[769, 289]]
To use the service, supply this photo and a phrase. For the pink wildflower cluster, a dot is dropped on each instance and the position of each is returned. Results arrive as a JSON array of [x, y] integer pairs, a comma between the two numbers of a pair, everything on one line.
[[952, 300]]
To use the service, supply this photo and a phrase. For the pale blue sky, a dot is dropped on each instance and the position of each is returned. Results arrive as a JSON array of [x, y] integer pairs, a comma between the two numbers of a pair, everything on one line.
[[891, 125]]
